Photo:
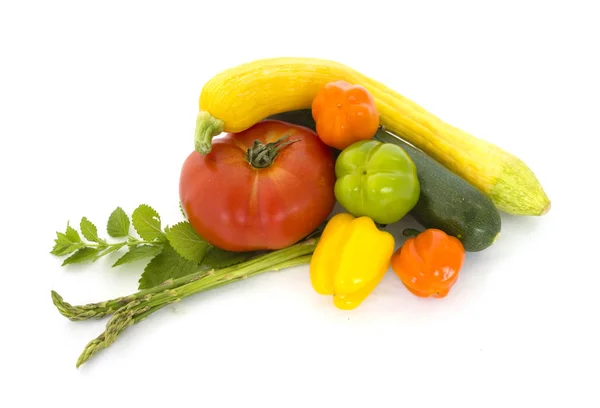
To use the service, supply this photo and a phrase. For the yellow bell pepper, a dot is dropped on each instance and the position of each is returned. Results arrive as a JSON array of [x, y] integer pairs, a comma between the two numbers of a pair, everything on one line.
[[350, 260]]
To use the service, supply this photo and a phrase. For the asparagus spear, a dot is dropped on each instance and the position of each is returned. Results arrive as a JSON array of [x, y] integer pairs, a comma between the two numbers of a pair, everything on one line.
[[138, 306], [122, 319], [102, 309], [108, 307]]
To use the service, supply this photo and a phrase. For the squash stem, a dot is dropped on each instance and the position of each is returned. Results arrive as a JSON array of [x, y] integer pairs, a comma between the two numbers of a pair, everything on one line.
[[207, 127]]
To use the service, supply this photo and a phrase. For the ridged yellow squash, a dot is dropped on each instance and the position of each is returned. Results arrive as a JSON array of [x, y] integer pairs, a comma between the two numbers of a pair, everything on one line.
[[237, 98]]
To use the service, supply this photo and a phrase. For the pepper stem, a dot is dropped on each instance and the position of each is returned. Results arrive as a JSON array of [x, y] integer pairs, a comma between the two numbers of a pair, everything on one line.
[[410, 232], [262, 155], [207, 127]]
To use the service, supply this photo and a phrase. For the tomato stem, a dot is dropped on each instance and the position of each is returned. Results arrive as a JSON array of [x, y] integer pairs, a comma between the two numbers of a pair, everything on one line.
[[262, 155], [207, 127]]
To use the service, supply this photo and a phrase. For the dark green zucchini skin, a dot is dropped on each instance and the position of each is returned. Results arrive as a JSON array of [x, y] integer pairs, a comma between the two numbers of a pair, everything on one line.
[[447, 201]]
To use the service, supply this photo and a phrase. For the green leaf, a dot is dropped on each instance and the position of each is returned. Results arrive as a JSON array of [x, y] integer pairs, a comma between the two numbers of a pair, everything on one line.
[[60, 242], [63, 246], [166, 265], [219, 258], [72, 234], [118, 223], [146, 222], [184, 239], [112, 248], [137, 253], [89, 230], [82, 255]]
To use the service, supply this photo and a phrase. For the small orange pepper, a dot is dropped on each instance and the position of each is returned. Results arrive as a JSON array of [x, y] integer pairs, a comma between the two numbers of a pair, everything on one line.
[[429, 263], [344, 113]]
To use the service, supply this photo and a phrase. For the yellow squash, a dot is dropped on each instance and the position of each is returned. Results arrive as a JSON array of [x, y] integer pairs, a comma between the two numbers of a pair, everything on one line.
[[239, 97]]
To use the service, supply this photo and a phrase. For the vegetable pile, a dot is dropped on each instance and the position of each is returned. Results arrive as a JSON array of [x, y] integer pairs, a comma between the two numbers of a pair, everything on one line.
[[278, 142]]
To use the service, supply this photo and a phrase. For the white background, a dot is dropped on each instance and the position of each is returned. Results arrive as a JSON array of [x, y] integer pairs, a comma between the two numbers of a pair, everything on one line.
[[97, 110]]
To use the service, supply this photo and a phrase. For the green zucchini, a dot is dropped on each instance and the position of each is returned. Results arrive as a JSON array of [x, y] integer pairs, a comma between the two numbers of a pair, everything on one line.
[[447, 201]]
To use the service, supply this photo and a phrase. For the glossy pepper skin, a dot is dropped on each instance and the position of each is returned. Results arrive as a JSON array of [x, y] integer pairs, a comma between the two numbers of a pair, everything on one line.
[[429, 264], [378, 180], [344, 113], [350, 260]]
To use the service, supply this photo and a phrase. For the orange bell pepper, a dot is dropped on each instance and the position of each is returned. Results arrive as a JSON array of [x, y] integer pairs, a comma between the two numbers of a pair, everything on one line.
[[344, 113], [429, 263]]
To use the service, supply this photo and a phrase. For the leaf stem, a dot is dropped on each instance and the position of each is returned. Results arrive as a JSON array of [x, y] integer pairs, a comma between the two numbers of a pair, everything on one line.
[[145, 242], [106, 245]]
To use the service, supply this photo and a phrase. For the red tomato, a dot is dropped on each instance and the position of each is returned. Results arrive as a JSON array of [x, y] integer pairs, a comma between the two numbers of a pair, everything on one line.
[[238, 206]]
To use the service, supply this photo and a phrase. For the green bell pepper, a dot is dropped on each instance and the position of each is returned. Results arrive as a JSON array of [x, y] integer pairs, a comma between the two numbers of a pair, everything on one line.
[[377, 180]]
